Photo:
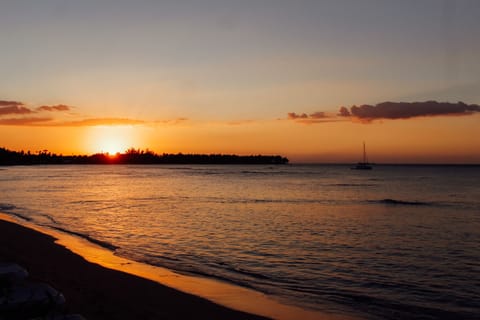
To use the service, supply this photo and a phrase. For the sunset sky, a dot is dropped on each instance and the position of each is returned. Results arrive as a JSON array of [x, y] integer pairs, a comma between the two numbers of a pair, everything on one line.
[[307, 79]]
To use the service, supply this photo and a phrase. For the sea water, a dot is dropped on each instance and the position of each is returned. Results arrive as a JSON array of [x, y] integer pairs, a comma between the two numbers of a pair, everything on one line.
[[396, 242]]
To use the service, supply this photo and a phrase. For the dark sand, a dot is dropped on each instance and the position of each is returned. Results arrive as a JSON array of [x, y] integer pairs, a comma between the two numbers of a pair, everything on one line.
[[97, 292]]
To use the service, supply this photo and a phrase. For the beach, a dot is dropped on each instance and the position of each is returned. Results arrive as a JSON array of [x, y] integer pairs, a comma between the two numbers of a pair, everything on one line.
[[97, 292]]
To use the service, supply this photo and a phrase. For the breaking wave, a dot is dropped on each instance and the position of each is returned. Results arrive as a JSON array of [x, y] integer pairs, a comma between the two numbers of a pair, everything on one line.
[[404, 203]]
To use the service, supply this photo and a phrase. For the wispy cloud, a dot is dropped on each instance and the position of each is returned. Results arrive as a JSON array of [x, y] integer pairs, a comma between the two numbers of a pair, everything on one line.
[[59, 107], [407, 110], [98, 122], [50, 122], [29, 121], [240, 122], [171, 121]]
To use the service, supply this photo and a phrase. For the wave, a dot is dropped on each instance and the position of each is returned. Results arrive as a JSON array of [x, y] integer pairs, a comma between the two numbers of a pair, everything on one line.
[[310, 296], [104, 244], [49, 217], [7, 207], [260, 201], [196, 267], [21, 216], [464, 205], [245, 272], [389, 201]]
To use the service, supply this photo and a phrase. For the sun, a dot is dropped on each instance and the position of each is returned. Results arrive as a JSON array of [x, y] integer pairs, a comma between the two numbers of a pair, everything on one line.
[[110, 139], [111, 146]]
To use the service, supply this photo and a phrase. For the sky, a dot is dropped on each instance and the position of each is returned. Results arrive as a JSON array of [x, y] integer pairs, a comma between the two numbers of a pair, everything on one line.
[[307, 79]]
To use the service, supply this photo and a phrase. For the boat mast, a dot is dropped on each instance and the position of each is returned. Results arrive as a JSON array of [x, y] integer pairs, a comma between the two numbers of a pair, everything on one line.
[[364, 153]]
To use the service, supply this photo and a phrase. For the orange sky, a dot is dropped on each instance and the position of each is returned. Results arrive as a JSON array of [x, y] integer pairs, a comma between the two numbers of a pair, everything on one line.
[[264, 77], [436, 140]]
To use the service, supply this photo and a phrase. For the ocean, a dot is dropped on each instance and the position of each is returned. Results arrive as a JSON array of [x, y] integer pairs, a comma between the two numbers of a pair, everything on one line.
[[396, 242]]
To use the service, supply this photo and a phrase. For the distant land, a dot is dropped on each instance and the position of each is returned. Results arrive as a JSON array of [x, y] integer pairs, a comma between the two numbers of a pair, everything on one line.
[[132, 156]]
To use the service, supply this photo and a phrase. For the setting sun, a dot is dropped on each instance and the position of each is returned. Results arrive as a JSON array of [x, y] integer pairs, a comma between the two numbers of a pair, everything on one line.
[[110, 139]]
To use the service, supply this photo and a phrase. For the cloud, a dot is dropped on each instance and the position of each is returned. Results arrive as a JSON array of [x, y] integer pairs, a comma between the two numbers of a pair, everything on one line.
[[59, 107], [98, 122], [4, 103], [14, 109], [25, 121], [14, 113], [294, 116], [343, 112], [389, 110], [50, 122], [316, 117], [171, 121], [407, 110]]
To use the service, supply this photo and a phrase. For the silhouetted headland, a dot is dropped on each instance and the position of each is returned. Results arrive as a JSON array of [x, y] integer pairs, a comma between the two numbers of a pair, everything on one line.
[[133, 156]]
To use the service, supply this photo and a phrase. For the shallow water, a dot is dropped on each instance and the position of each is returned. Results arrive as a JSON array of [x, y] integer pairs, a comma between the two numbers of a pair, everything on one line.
[[392, 243]]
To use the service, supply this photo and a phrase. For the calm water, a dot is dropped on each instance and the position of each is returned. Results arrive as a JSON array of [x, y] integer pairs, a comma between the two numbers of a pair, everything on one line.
[[392, 243]]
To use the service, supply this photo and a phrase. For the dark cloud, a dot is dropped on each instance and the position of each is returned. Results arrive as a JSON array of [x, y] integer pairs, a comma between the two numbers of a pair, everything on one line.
[[343, 112], [4, 103], [316, 117], [14, 109], [406, 110], [59, 107], [293, 116]]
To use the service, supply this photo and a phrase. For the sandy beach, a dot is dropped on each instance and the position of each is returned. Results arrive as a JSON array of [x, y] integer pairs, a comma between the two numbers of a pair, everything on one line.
[[97, 292]]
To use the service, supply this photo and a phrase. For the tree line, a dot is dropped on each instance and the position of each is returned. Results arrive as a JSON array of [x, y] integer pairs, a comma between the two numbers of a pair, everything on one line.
[[132, 156]]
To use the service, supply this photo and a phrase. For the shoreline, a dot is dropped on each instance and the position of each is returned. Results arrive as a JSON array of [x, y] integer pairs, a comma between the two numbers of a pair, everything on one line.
[[70, 263]]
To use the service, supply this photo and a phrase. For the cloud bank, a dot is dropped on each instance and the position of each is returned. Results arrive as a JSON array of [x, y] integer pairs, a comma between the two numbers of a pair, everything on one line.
[[389, 110], [407, 110]]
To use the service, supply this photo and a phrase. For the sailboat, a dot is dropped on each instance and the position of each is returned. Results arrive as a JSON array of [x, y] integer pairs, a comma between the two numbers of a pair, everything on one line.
[[364, 165]]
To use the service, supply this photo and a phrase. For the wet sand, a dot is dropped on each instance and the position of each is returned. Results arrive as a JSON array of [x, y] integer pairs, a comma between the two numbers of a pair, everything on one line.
[[97, 292], [101, 285]]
